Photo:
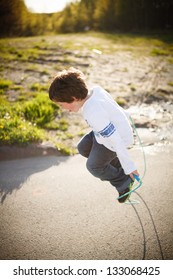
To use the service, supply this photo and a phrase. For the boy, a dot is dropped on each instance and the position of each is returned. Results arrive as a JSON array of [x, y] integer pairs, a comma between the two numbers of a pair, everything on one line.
[[105, 147]]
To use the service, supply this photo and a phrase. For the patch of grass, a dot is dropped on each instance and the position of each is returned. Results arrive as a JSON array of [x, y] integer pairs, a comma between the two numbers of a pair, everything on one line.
[[28, 54], [52, 125], [17, 131], [32, 68], [16, 87], [132, 88], [59, 125], [42, 44], [44, 72], [65, 150], [14, 129], [23, 122], [20, 53], [81, 133], [63, 125], [40, 110], [170, 60], [67, 135], [161, 52], [5, 84], [2, 68], [38, 87], [26, 95], [121, 101], [170, 84]]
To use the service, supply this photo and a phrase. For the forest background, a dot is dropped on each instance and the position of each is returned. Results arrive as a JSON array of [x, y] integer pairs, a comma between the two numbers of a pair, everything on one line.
[[99, 15]]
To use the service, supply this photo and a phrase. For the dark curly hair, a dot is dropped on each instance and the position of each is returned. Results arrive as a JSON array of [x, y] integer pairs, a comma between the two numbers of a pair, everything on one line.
[[67, 85]]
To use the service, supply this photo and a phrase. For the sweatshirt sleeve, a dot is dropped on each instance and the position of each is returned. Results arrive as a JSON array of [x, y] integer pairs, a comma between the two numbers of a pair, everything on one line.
[[106, 133]]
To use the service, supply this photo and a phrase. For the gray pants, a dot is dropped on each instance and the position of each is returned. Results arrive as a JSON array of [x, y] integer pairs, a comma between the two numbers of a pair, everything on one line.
[[103, 163]]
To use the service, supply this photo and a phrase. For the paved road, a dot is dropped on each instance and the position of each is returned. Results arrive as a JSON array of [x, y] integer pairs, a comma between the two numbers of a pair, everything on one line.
[[52, 208]]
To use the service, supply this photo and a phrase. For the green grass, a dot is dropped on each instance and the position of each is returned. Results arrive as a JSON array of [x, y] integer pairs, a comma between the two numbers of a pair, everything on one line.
[[19, 53], [14, 129], [26, 122], [40, 110], [64, 149], [4, 84], [39, 87], [160, 52], [170, 84], [23, 122], [17, 131]]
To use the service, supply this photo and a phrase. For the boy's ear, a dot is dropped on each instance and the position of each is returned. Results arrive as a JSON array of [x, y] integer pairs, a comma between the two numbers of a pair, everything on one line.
[[75, 99]]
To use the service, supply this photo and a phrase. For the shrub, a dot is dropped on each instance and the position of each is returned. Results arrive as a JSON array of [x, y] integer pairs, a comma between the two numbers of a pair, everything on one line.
[[17, 131], [14, 129], [40, 110]]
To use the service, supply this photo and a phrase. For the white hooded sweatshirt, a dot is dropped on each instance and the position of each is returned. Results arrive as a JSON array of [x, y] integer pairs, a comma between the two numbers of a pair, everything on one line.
[[110, 125]]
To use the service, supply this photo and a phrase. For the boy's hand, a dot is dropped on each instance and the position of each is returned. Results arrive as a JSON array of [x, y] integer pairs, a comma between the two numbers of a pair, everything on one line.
[[134, 172]]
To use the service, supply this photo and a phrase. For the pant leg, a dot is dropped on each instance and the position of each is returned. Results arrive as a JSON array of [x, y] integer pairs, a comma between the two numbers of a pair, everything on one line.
[[103, 163], [115, 162], [85, 145]]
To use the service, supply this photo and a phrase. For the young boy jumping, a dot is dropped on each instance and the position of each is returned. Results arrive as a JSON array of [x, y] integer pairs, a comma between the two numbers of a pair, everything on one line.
[[105, 147]]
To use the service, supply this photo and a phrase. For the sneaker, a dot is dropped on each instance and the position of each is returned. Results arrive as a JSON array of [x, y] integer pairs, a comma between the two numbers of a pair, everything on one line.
[[122, 197]]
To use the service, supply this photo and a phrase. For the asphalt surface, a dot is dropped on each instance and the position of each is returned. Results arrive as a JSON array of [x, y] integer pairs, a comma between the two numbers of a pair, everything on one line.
[[53, 208]]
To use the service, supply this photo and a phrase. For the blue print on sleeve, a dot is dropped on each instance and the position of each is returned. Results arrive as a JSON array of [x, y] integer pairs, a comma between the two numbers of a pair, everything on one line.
[[108, 130]]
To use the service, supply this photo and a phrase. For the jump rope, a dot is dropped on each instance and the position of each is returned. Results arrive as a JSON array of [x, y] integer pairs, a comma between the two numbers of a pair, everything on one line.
[[131, 202], [137, 178]]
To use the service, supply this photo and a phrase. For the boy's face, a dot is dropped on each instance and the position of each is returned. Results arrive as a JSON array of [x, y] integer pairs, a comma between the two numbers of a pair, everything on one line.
[[71, 107]]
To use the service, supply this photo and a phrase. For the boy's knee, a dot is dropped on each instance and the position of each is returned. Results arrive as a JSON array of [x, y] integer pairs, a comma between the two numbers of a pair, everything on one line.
[[94, 169], [88, 166], [81, 149]]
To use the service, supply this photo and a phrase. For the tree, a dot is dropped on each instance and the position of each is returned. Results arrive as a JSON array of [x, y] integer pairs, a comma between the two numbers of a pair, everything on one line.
[[105, 15], [13, 17]]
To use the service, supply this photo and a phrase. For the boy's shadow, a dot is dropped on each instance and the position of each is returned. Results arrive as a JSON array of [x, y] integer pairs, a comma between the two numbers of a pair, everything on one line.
[[14, 173]]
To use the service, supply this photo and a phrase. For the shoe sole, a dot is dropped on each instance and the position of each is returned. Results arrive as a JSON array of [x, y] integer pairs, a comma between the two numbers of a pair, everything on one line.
[[126, 194]]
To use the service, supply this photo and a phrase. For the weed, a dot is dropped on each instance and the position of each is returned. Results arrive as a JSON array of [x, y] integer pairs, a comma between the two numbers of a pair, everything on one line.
[[121, 101], [64, 149], [63, 125], [170, 60], [40, 110], [38, 87], [14, 129], [52, 125], [32, 68], [1, 68], [81, 133], [16, 87], [44, 72], [159, 52], [5, 84], [170, 84], [67, 135], [132, 88], [17, 131]]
